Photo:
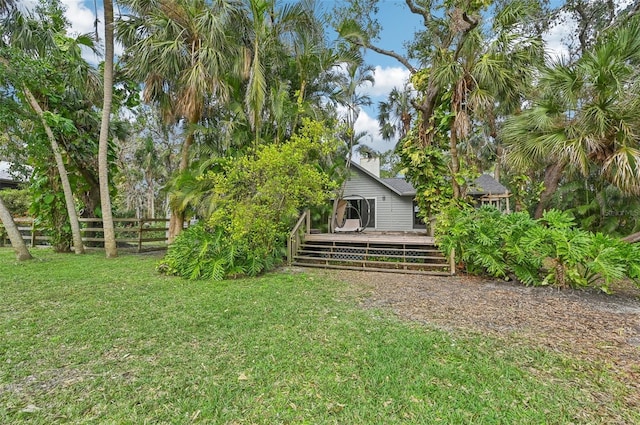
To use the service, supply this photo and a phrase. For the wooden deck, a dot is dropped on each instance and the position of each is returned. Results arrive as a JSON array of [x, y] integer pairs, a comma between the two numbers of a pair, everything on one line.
[[396, 238], [397, 252]]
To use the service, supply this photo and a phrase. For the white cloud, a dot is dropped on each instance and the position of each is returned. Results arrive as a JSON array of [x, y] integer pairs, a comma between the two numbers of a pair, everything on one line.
[[557, 35], [81, 17], [368, 124], [386, 79]]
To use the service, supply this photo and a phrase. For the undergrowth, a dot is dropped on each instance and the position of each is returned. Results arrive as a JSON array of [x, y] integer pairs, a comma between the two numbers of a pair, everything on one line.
[[548, 251]]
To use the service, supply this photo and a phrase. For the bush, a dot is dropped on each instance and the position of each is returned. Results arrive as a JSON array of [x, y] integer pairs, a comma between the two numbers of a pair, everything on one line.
[[17, 201], [256, 199], [204, 253], [548, 251]]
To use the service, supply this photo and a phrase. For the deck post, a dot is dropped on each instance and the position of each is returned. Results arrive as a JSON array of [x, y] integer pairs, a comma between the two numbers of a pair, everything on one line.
[[452, 261], [293, 243]]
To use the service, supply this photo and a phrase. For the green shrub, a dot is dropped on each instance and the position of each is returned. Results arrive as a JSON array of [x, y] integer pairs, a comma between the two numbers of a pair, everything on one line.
[[255, 199], [17, 201], [204, 253], [549, 251]]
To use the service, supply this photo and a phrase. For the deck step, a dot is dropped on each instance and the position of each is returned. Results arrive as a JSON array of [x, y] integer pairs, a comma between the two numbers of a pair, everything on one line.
[[374, 255], [370, 263], [368, 255], [371, 269]]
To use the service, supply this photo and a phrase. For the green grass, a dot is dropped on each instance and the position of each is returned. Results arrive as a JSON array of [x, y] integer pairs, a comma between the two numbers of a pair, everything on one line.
[[90, 340]]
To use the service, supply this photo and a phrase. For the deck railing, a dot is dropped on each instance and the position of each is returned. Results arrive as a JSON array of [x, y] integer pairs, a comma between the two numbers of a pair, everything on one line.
[[141, 234], [296, 237]]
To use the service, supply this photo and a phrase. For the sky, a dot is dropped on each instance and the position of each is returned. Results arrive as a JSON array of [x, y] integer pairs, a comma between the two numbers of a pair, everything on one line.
[[398, 26]]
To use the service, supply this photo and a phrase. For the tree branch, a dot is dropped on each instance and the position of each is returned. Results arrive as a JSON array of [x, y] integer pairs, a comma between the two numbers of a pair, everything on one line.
[[418, 10], [394, 55]]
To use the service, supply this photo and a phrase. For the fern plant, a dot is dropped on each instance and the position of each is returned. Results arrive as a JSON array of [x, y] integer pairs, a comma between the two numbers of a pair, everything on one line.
[[549, 251]]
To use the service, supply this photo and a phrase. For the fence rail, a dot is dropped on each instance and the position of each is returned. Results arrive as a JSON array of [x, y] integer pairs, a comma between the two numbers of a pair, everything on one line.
[[141, 234]]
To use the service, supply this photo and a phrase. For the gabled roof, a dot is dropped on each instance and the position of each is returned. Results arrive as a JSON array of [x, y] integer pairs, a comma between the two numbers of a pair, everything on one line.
[[486, 185], [9, 179], [4, 171], [483, 185], [399, 186]]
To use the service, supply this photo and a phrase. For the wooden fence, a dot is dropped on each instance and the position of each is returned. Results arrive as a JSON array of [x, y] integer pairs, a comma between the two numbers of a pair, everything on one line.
[[144, 234]]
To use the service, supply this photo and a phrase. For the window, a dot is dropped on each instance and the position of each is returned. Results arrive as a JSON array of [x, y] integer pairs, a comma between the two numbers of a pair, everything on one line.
[[418, 222], [364, 210]]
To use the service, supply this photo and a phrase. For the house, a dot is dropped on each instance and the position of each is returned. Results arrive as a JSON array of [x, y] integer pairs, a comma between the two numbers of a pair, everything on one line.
[[383, 204], [7, 181], [388, 204], [486, 190]]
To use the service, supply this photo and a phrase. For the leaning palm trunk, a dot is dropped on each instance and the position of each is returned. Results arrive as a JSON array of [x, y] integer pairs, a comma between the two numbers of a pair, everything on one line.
[[78, 247], [64, 179], [632, 238], [552, 176], [22, 253], [110, 247]]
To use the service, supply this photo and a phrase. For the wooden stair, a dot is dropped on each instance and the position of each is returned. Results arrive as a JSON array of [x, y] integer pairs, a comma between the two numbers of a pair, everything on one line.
[[414, 255]]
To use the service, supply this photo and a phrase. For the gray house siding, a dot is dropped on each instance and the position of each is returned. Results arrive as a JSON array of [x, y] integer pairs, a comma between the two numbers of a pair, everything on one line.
[[392, 212]]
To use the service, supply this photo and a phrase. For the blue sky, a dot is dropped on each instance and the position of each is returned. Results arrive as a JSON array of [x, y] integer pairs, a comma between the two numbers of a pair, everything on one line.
[[398, 26]]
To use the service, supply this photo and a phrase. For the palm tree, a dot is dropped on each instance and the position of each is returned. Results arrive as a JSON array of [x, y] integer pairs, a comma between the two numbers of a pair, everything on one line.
[[6, 6], [290, 39], [484, 75], [395, 115], [466, 74], [585, 115], [41, 40], [182, 52], [22, 252], [110, 247], [356, 74]]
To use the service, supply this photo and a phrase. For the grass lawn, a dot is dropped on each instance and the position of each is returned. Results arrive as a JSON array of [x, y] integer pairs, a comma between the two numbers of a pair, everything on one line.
[[90, 340]]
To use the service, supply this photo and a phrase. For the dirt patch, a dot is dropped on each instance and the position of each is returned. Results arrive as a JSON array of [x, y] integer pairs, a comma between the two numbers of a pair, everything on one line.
[[587, 325]]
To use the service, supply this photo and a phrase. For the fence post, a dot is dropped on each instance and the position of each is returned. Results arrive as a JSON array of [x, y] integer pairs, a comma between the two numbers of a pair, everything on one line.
[[33, 233], [141, 221]]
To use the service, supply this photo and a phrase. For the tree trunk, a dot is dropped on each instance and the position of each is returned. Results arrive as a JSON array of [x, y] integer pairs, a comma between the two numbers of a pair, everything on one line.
[[497, 168], [152, 199], [632, 238], [176, 221], [22, 253], [64, 179], [78, 246], [552, 176], [110, 248], [455, 164]]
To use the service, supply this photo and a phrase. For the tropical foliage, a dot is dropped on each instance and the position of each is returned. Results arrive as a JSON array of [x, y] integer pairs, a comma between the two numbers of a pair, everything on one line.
[[229, 88], [583, 118], [547, 251], [254, 199]]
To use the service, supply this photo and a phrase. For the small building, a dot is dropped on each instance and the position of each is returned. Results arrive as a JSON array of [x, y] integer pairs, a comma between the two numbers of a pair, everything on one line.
[[388, 204], [486, 190], [7, 181]]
